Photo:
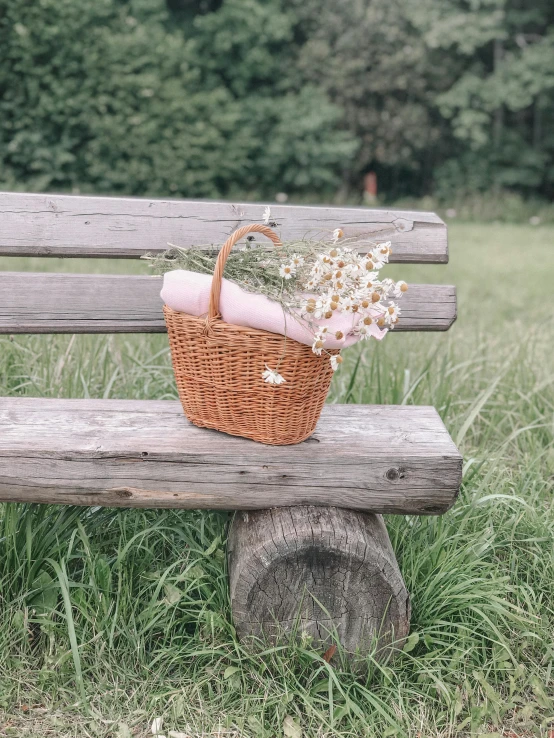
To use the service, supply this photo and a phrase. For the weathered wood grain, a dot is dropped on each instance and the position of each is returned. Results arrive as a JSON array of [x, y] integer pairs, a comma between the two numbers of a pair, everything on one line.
[[100, 303], [127, 453], [326, 572], [69, 225]]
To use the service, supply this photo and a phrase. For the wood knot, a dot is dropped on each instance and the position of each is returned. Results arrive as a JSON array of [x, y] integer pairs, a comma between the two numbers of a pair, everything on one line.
[[123, 492], [393, 474]]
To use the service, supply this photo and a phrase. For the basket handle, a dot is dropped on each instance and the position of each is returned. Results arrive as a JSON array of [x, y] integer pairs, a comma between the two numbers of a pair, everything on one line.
[[213, 310]]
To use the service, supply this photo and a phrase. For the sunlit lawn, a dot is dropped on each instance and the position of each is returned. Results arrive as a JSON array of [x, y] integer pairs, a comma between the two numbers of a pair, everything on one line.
[[481, 577]]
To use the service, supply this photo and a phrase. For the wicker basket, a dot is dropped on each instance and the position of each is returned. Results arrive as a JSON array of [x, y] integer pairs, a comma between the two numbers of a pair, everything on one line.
[[218, 369]]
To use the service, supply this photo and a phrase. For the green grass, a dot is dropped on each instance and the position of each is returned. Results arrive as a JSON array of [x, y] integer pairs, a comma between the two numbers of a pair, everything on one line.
[[110, 618]]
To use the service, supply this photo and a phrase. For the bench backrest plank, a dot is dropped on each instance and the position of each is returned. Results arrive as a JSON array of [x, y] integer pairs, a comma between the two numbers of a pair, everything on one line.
[[102, 303], [70, 225], [74, 226]]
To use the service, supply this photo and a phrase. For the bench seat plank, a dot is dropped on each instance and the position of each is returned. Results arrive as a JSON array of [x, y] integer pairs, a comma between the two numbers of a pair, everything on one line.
[[105, 303], [124, 227], [128, 453]]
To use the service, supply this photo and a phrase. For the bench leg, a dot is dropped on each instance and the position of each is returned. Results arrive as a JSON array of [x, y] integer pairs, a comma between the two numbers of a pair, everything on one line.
[[320, 571]]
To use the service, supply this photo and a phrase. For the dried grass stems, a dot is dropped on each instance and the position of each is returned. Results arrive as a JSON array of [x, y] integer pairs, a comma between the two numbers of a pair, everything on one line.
[[253, 265]]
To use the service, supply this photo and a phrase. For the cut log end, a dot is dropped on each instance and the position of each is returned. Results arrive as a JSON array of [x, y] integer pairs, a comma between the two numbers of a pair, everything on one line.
[[325, 573]]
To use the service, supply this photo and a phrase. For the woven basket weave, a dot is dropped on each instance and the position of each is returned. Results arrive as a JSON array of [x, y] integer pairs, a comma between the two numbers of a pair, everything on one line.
[[218, 369]]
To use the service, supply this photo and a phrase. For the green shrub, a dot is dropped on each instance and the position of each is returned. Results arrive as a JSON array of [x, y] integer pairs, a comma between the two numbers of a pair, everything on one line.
[[109, 97]]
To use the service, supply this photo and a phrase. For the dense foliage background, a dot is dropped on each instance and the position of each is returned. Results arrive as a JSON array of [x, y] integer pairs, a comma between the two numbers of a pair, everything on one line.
[[204, 98]]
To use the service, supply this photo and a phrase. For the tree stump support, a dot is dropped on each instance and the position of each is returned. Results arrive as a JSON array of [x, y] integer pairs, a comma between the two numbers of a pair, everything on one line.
[[327, 572]]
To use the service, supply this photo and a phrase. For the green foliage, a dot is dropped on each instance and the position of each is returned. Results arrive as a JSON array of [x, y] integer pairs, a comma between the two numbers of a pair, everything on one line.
[[374, 63], [500, 102], [113, 97], [442, 94], [252, 97]]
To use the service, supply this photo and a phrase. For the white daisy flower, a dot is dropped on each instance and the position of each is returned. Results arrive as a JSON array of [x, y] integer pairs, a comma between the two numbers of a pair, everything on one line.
[[392, 314], [365, 328], [272, 376], [399, 288], [297, 260], [346, 303], [336, 361], [319, 341], [322, 309], [337, 233], [378, 259], [267, 215], [286, 271], [387, 285]]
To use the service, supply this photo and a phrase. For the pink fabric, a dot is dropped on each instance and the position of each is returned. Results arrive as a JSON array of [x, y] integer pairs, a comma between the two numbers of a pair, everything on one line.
[[189, 292]]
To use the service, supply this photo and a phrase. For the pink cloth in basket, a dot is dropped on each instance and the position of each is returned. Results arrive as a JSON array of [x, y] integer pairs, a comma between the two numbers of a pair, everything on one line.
[[189, 292]]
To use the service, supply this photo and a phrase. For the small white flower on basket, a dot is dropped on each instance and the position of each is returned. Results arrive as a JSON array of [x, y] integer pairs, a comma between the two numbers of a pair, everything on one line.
[[272, 376], [336, 361], [267, 215]]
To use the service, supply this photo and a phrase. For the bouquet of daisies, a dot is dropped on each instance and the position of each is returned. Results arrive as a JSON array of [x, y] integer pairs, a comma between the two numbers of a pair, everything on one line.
[[338, 279]]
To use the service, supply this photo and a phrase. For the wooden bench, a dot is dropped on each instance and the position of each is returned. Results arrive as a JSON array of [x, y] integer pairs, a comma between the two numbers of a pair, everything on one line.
[[308, 549]]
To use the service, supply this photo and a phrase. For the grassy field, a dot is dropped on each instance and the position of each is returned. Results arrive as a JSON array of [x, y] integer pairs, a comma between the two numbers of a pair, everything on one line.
[[111, 618]]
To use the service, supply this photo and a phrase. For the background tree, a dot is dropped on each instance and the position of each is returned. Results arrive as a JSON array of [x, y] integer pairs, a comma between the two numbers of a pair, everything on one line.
[[207, 98], [114, 97], [501, 103]]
